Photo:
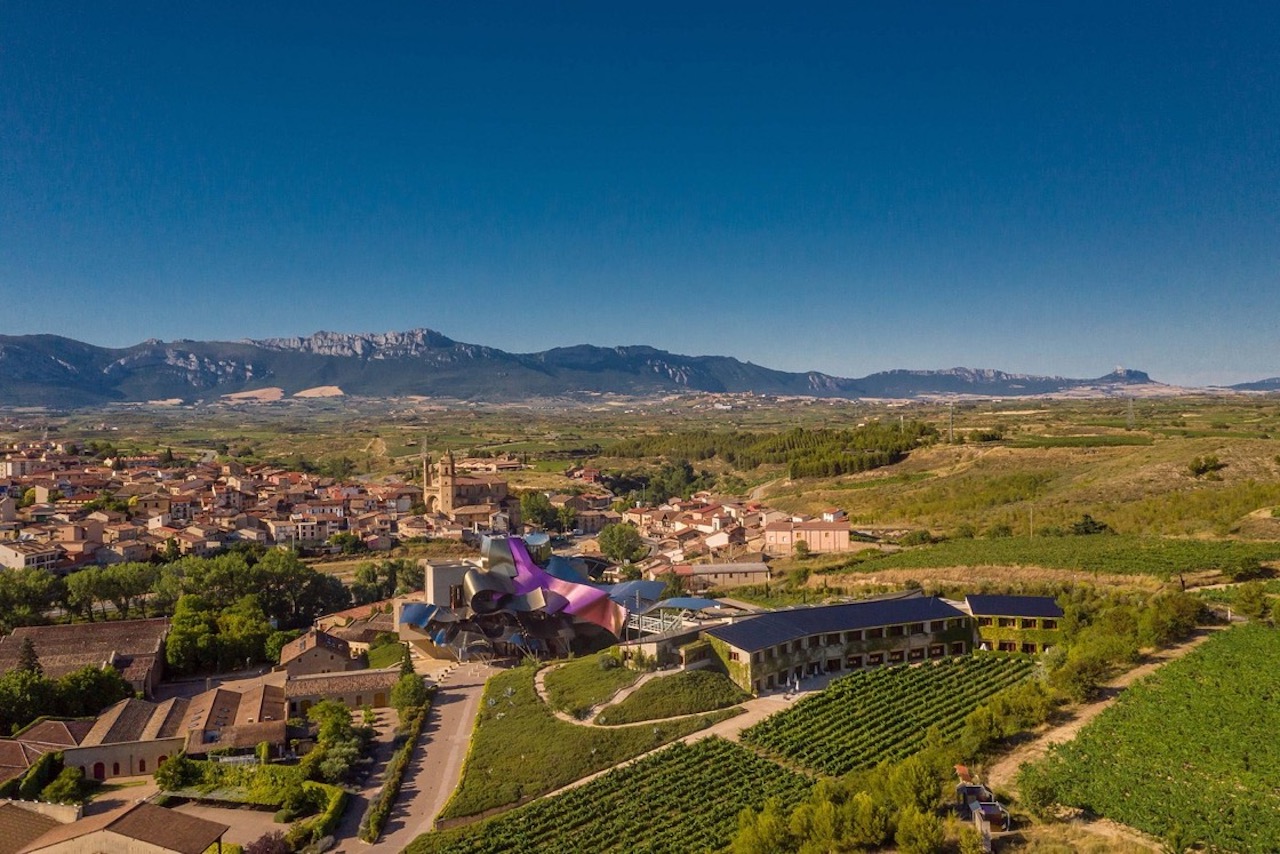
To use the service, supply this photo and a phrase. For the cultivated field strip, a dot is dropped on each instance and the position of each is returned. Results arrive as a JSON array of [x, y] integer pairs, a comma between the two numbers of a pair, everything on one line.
[[685, 798], [874, 715]]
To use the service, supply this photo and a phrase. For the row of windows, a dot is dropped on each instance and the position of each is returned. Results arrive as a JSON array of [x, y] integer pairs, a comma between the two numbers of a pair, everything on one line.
[[1018, 622], [859, 662], [854, 636]]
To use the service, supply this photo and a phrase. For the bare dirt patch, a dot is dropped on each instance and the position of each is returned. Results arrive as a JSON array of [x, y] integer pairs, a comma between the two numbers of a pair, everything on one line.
[[320, 391], [262, 395]]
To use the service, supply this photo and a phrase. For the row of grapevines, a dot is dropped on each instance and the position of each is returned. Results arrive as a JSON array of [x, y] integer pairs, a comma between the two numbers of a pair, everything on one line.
[[1196, 746], [874, 715], [685, 798]]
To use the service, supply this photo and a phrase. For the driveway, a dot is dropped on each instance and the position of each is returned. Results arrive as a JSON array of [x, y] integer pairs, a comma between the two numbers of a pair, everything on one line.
[[436, 767]]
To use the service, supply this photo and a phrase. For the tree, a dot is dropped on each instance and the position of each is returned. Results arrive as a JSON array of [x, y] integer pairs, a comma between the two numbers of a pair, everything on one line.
[[66, 788], [28, 660], [566, 518], [89, 690], [408, 694], [536, 509], [918, 832], [191, 644], [348, 543], [406, 662], [866, 822], [1087, 525], [1252, 601], [801, 550], [912, 783], [621, 543], [178, 773]]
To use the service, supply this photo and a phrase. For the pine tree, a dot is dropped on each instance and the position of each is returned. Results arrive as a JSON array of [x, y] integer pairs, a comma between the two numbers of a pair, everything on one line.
[[28, 659]]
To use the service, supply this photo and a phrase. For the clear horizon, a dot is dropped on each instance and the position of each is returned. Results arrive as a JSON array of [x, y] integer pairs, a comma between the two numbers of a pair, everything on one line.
[[837, 188]]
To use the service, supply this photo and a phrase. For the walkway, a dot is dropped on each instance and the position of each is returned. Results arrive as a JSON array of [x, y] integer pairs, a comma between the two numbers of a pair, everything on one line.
[[437, 764]]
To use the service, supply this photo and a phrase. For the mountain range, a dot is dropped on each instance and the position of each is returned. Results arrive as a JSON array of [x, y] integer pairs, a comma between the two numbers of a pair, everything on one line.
[[49, 370]]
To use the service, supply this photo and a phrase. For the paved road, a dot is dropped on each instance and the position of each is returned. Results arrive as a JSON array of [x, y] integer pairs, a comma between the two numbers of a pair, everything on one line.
[[437, 764]]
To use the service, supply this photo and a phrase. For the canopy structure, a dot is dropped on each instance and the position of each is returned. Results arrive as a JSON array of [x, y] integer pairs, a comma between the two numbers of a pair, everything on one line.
[[685, 603]]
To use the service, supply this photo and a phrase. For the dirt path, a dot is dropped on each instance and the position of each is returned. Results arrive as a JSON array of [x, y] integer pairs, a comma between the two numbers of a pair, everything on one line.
[[1001, 774]]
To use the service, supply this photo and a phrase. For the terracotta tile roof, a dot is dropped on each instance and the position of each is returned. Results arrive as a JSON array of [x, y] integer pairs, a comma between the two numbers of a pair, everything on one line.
[[57, 733], [19, 827], [338, 684], [166, 829], [63, 649], [310, 640]]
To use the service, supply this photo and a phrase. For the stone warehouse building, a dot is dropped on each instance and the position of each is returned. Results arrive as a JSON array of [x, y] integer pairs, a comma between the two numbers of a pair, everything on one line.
[[769, 650]]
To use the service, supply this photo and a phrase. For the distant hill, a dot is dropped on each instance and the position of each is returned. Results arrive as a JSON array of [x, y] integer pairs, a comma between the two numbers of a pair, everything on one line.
[[48, 370], [1272, 384]]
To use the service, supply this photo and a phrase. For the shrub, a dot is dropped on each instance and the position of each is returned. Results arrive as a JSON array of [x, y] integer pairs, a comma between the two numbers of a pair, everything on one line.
[[66, 788]]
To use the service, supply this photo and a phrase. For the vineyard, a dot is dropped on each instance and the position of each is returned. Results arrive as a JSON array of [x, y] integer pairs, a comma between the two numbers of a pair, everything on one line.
[[1119, 554], [684, 798], [874, 715], [1193, 747], [520, 749]]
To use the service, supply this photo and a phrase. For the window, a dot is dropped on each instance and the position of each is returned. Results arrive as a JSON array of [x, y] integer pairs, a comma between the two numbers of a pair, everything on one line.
[[1029, 648], [115, 769], [875, 633], [832, 640], [1007, 646], [937, 651], [875, 658], [1030, 622], [896, 631], [916, 654], [142, 766], [897, 656], [1049, 624], [855, 635], [1008, 623], [755, 658], [855, 661], [957, 648], [916, 629], [733, 655], [984, 621], [814, 641]]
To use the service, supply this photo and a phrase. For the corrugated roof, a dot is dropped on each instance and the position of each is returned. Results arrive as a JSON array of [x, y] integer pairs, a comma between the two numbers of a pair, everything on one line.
[[774, 627], [1013, 606]]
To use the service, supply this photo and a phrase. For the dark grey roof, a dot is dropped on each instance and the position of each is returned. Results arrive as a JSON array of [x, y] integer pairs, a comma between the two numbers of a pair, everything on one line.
[[775, 627], [1013, 606]]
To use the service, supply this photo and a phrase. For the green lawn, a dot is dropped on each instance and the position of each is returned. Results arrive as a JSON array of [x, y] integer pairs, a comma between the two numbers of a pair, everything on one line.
[[581, 683], [521, 749], [386, 656], [685, 693]]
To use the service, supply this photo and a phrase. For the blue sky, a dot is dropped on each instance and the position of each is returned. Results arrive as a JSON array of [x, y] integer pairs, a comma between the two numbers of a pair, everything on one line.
[[847, 187]]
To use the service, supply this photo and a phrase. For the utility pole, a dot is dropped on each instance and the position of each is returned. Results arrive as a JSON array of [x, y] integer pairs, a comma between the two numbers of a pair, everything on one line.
[[951, 423]]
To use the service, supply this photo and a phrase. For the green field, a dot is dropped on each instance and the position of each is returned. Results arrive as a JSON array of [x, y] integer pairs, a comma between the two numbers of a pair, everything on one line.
[[682, 799], [883, 714], [685, 693], [520, 749], [577, 685], [1192, 749]]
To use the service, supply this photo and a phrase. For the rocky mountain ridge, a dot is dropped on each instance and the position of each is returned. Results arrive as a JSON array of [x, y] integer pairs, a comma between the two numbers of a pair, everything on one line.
[[44, 370]]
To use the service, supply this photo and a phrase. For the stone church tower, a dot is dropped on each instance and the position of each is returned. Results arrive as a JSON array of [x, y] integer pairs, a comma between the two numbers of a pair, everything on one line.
[[448, 482]]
